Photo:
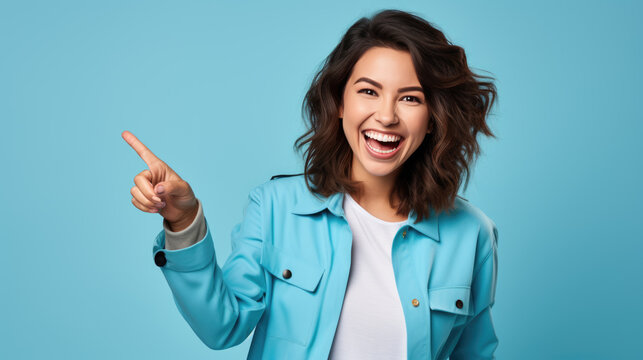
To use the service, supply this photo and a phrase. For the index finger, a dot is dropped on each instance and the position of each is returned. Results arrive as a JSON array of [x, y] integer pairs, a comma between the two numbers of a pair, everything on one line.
[[140, 149]]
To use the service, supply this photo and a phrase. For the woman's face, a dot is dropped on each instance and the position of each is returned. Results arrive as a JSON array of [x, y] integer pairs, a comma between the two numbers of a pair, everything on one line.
[[385, 113]]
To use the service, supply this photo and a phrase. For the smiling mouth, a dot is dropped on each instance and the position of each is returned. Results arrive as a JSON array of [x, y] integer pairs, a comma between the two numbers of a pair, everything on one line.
[[380, 143]]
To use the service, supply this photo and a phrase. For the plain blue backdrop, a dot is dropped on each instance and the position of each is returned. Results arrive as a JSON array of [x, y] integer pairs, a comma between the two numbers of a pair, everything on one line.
[[215, 90]]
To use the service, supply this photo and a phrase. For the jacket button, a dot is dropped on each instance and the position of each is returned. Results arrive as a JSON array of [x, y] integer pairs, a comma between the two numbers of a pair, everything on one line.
[[415, 302], [458, 304], [404, 233], [286, 274], [159, 258]]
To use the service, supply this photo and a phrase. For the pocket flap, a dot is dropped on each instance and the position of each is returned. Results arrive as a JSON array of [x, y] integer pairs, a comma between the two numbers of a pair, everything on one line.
[[451, 299], [304, 274]]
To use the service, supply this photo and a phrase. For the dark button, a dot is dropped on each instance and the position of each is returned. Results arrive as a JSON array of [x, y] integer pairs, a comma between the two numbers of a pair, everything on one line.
[[159, 258], [458, 304], [286, 274]]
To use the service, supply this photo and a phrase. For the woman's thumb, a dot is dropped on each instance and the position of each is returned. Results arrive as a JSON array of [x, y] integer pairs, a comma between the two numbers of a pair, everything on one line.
[[161, 188], [166, 188]]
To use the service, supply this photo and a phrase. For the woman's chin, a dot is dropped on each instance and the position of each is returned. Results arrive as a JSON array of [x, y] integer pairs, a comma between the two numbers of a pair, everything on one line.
[[381, 170]]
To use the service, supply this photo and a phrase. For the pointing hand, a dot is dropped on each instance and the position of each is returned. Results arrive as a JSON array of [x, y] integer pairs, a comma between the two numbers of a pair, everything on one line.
[[160, 189]]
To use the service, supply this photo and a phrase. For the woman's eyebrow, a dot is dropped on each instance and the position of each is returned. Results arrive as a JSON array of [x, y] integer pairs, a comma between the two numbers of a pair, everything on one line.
[[379, 86]]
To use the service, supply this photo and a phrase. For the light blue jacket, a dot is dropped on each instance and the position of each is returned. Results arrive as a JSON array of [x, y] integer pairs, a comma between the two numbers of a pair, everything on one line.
[[445, 271]]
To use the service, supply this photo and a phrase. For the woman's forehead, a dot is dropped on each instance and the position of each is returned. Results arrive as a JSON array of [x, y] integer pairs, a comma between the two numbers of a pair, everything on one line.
[[387, 66]]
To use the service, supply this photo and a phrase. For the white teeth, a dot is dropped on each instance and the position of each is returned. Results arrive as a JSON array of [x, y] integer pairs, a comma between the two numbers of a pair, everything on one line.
[[380, 151], [381, 137]]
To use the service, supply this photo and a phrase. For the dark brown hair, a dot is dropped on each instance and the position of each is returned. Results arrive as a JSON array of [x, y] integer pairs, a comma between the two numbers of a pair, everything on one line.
[[457, 99]]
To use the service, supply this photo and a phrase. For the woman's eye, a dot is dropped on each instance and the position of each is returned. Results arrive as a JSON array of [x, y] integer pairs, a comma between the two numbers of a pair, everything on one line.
[[409, 97], [413, 98], [367, 91]]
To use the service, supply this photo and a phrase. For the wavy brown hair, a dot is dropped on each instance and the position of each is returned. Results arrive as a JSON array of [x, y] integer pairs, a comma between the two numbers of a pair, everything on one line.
[[458, 101]]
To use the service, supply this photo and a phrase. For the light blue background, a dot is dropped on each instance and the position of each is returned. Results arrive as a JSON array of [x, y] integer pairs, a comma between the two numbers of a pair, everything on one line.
[[215, 89]]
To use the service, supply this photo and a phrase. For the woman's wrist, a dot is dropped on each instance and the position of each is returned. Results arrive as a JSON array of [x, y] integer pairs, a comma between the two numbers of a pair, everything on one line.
[[185, 221]]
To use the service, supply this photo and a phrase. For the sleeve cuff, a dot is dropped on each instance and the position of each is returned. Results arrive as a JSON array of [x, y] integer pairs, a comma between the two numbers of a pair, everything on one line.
[[190, 258]]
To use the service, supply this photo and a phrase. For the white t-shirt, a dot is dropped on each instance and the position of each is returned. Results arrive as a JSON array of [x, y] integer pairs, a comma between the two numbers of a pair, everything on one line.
[[371, 324]]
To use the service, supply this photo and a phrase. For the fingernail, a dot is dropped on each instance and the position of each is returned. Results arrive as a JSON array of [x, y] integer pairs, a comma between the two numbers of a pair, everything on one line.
[[154, 210], [156, 198], [160, 189], [162, 205]]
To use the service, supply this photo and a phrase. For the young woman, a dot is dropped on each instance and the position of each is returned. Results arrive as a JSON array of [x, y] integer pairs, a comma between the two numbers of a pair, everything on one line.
[[370, 253]]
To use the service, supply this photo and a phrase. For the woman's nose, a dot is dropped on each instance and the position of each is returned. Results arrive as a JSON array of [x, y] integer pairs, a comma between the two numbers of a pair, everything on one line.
[[386, 114]]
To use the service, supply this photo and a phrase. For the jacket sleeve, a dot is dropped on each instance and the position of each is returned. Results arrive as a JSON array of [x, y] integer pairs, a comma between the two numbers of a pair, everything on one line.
[[478, 340], [221, 305]]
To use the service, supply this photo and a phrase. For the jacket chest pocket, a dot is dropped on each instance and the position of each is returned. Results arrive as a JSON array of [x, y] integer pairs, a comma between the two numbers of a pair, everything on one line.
[[451, 308], [295, 302]]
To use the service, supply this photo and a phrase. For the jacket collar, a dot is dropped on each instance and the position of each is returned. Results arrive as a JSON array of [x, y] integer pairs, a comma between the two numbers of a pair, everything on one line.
[[310, 203]]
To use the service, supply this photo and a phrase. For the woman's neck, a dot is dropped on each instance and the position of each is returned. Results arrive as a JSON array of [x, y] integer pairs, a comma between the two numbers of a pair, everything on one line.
[[374, 195]]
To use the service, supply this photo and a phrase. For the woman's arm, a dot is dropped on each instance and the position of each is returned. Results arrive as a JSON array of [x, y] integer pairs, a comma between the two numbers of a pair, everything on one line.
[[479, 340], [222, 305]]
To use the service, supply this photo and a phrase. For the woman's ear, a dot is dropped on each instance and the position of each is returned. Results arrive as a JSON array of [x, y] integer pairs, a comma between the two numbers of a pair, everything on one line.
[[341, 111]]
